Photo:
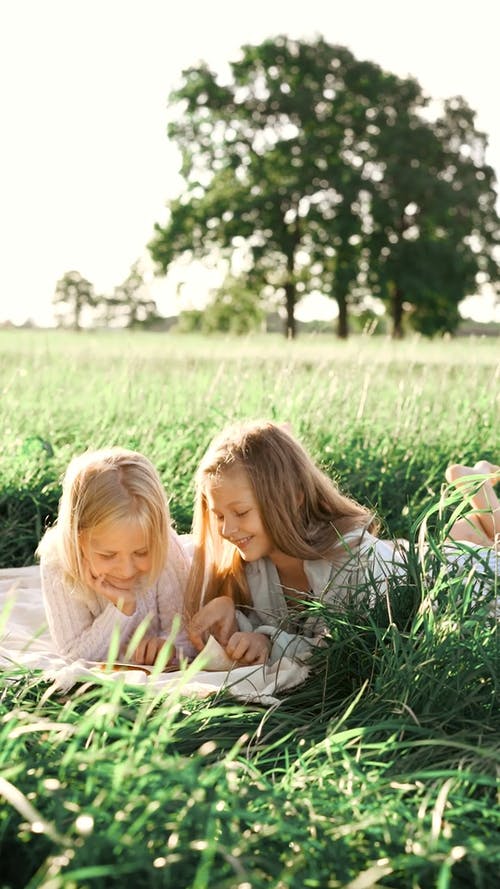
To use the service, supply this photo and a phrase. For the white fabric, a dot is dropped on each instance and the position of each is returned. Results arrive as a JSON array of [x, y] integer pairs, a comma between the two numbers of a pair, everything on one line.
[[25, 640], [26, 643], [369, 565]]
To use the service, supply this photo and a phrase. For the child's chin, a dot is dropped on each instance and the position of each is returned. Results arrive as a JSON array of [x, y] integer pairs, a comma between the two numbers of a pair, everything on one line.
[[247, 557], [138, 586]]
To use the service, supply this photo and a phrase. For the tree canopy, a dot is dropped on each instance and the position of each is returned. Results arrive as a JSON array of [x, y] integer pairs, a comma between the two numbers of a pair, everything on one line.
[[72, 296], [330, 174], [131, 304]]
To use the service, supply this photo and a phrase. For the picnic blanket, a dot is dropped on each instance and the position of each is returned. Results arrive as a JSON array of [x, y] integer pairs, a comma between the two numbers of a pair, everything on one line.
[[25, 643]]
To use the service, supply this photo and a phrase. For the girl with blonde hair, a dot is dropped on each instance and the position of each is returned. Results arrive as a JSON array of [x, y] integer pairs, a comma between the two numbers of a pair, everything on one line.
[[112, 560], [272, 532]]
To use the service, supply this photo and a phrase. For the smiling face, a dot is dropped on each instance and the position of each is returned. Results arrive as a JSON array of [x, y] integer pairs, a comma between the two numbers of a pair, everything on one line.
[[231, 500], [119, 551]]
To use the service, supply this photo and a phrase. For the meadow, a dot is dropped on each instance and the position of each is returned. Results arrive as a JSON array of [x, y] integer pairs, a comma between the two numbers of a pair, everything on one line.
[[382, 769]]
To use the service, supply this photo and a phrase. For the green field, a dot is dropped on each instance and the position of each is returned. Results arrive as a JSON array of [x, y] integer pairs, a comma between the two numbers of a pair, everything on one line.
[[382, 769]]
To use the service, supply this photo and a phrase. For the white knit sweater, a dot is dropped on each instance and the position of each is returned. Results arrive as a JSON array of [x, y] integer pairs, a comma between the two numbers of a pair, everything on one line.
[[82, 623]]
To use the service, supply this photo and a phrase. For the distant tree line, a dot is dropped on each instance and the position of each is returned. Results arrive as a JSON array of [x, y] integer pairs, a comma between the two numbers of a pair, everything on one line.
[[76, 303], [308, 170]]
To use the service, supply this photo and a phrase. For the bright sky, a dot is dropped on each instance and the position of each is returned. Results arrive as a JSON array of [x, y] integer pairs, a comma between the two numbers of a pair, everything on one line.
[[85, 166]]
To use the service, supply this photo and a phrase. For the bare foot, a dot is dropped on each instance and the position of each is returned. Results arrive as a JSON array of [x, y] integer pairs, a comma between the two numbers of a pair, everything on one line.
[[483, 467], [456, 471], [484, 519]]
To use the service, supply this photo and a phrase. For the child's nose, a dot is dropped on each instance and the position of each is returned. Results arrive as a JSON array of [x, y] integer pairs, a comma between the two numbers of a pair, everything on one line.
[[126, 567], [228, 527]]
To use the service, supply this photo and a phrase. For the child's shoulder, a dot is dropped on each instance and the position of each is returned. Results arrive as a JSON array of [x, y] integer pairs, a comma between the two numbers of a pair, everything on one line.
[[185, 541], [49, 554], [364, 540], [363, 547]]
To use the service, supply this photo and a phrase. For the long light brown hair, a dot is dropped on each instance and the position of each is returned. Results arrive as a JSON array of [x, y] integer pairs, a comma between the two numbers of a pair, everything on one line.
[[102, 487], [301, 508]]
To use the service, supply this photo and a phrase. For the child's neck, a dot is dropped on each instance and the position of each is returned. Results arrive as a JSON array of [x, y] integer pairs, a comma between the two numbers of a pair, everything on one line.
[[291, 574]]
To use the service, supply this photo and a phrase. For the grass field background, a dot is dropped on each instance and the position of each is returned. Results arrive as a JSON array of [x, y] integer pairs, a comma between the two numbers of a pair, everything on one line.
[[382, 769]]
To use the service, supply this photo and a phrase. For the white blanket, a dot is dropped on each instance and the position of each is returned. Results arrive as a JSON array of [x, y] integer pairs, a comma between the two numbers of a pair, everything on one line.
[[25, 643]]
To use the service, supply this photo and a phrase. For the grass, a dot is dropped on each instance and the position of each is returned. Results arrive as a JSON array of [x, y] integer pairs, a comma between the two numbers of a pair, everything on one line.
[[382, 769], [384, 418]]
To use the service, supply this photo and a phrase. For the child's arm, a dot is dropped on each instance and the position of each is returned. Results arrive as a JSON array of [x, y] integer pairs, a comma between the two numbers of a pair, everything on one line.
[[217, 618], [280, 643], [76, 632]]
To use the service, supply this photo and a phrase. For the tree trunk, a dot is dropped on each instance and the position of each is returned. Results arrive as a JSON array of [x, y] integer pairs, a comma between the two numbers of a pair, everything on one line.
[[397, 314], [76, 313], [290, 323], [342, 321]]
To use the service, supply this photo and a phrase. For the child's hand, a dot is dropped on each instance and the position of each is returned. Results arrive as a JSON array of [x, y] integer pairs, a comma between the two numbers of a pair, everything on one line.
[[149, 648], [249, 648], [123, 599], [217, 618]]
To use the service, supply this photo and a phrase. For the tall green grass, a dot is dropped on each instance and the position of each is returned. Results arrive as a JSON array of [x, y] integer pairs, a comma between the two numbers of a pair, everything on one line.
[[383, 418], [381, 770]]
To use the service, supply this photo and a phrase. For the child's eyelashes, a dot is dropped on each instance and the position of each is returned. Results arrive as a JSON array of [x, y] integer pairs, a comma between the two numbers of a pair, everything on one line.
[[239, 515], [140, 554]]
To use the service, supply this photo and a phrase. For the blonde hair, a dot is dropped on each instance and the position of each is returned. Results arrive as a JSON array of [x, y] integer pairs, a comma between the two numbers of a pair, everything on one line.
[[102, 487], [302, 510]]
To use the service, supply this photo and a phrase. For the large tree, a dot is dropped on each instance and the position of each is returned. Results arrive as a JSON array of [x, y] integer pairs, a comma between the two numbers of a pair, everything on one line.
[[317, 165], [271, 162]]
